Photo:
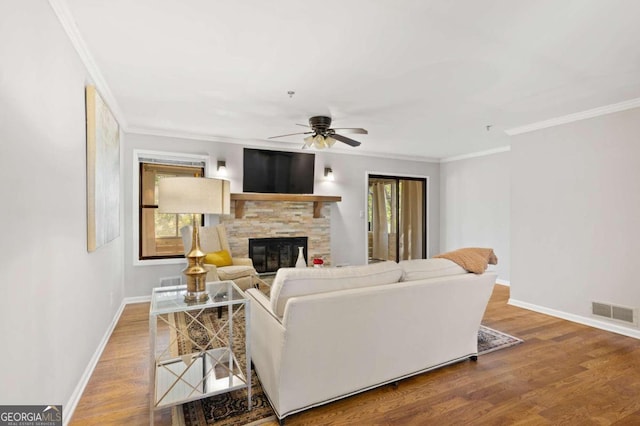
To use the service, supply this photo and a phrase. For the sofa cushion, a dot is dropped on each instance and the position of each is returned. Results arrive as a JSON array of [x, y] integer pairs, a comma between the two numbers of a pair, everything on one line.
[[293, 282], [235, 271], [419, 269]]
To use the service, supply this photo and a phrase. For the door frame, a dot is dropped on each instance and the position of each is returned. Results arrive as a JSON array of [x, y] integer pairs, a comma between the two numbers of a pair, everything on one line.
[[427, 203]]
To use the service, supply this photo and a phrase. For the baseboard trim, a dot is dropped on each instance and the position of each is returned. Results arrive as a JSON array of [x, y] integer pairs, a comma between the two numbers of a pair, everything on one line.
[[503, 282], [137, 299], [591, 322], [72, 403]]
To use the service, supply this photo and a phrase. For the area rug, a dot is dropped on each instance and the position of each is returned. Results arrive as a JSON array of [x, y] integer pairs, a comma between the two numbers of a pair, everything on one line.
[[490, 340], [225, 409], [231, 408]]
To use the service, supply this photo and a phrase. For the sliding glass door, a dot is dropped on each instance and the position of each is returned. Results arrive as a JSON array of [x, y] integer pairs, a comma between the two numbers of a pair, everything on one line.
[[396, 218]]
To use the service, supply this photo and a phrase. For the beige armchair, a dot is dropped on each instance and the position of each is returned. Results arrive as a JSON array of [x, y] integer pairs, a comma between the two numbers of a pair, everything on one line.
[[212, 239]]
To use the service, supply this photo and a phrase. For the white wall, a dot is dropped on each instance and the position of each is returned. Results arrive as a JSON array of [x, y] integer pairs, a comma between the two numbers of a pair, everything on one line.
[[57, 299], [348, 229], [475, 204], [575, 214], [348, 235]]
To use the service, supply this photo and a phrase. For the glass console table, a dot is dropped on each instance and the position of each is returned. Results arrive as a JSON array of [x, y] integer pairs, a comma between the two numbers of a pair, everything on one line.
[[193, 352]]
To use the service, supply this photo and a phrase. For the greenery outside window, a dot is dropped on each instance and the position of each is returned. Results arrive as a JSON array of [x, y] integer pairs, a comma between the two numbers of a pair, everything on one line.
[[160, 232]]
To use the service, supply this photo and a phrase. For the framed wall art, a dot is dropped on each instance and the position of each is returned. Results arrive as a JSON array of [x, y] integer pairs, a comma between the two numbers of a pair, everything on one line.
[[103, 172]]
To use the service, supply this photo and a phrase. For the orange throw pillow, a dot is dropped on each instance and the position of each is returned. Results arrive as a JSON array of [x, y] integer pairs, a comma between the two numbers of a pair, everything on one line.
[[218, 258], [473, 259]]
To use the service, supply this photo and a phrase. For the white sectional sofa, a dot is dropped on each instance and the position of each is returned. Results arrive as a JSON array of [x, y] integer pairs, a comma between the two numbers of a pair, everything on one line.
[[329, 333]]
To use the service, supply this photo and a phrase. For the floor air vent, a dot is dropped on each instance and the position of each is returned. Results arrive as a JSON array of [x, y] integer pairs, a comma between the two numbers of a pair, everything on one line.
[[619, 313]]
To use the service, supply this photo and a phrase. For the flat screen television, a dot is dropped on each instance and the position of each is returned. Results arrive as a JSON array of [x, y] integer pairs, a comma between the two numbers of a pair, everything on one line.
[[278, 172]]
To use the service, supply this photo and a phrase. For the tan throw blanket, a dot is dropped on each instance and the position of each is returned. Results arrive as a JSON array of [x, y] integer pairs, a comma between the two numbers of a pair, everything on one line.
[[472, 259]]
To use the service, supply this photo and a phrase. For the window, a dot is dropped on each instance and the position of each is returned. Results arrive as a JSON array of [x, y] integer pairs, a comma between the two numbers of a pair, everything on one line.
[[396, 218], [160, 232], [389, 199]]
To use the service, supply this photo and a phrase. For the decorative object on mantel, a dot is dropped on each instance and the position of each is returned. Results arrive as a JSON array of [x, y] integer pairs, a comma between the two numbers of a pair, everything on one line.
[[317, 200], [318, 262], [103, 172], [301, 263], [194, 195]]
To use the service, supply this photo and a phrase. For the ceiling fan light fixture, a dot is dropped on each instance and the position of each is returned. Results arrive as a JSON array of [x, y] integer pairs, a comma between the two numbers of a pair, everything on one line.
[[308, 141], [319, 142], [320, 135]]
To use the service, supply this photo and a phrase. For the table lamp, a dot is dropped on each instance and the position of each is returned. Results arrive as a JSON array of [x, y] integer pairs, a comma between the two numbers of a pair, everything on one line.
[[194, 195]]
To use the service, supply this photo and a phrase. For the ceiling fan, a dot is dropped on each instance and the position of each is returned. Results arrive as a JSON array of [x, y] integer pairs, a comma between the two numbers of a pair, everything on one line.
[[322, 136]]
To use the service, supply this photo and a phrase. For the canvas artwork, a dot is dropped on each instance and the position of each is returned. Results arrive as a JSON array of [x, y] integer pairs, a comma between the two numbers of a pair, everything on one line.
[[103, 172]]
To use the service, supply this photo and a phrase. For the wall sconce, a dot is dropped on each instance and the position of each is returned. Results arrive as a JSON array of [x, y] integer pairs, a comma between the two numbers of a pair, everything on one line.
[[328, 173], [222, 168]]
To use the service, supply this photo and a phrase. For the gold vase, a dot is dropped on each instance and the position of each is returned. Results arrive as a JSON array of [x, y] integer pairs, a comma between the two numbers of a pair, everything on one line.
[[195, 272]]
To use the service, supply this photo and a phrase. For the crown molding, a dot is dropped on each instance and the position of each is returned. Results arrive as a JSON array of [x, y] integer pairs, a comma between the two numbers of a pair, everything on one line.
[[268, 144], [583, 115], [178, 134], [64, 15], [476, 154]]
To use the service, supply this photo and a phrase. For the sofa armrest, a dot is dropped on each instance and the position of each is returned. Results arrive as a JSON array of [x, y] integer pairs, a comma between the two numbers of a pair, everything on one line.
[[267, 339], [262, 302], [244, 261], [212, 272]]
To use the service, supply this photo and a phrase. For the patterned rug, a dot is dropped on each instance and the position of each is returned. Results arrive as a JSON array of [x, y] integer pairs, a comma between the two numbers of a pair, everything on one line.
[[231, 408], [490, 340], [227, 408]]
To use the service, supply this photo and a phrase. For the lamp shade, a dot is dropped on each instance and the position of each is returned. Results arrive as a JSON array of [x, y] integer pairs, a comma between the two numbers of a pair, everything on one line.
[[194, 195]]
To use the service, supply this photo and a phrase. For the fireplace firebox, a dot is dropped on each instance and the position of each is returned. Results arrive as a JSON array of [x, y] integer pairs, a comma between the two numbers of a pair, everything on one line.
[[270, 254]]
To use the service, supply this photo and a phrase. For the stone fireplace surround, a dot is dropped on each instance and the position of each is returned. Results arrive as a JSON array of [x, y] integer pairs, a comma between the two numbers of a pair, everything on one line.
[[275, 219]]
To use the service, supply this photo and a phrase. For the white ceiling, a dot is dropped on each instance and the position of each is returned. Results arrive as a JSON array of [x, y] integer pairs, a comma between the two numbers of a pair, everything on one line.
[[424, 77]]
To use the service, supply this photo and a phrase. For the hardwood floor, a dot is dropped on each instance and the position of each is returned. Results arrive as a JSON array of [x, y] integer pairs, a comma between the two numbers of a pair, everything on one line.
[[563, 374]]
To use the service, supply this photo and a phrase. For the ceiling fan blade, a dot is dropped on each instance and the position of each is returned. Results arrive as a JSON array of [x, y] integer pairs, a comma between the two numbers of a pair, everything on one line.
[[358, 130], [345, 139], [290, 134], [303, 125]]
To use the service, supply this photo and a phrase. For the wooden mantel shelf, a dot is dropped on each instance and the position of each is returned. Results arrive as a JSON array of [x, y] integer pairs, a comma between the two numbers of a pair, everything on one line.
[[317, 200]]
